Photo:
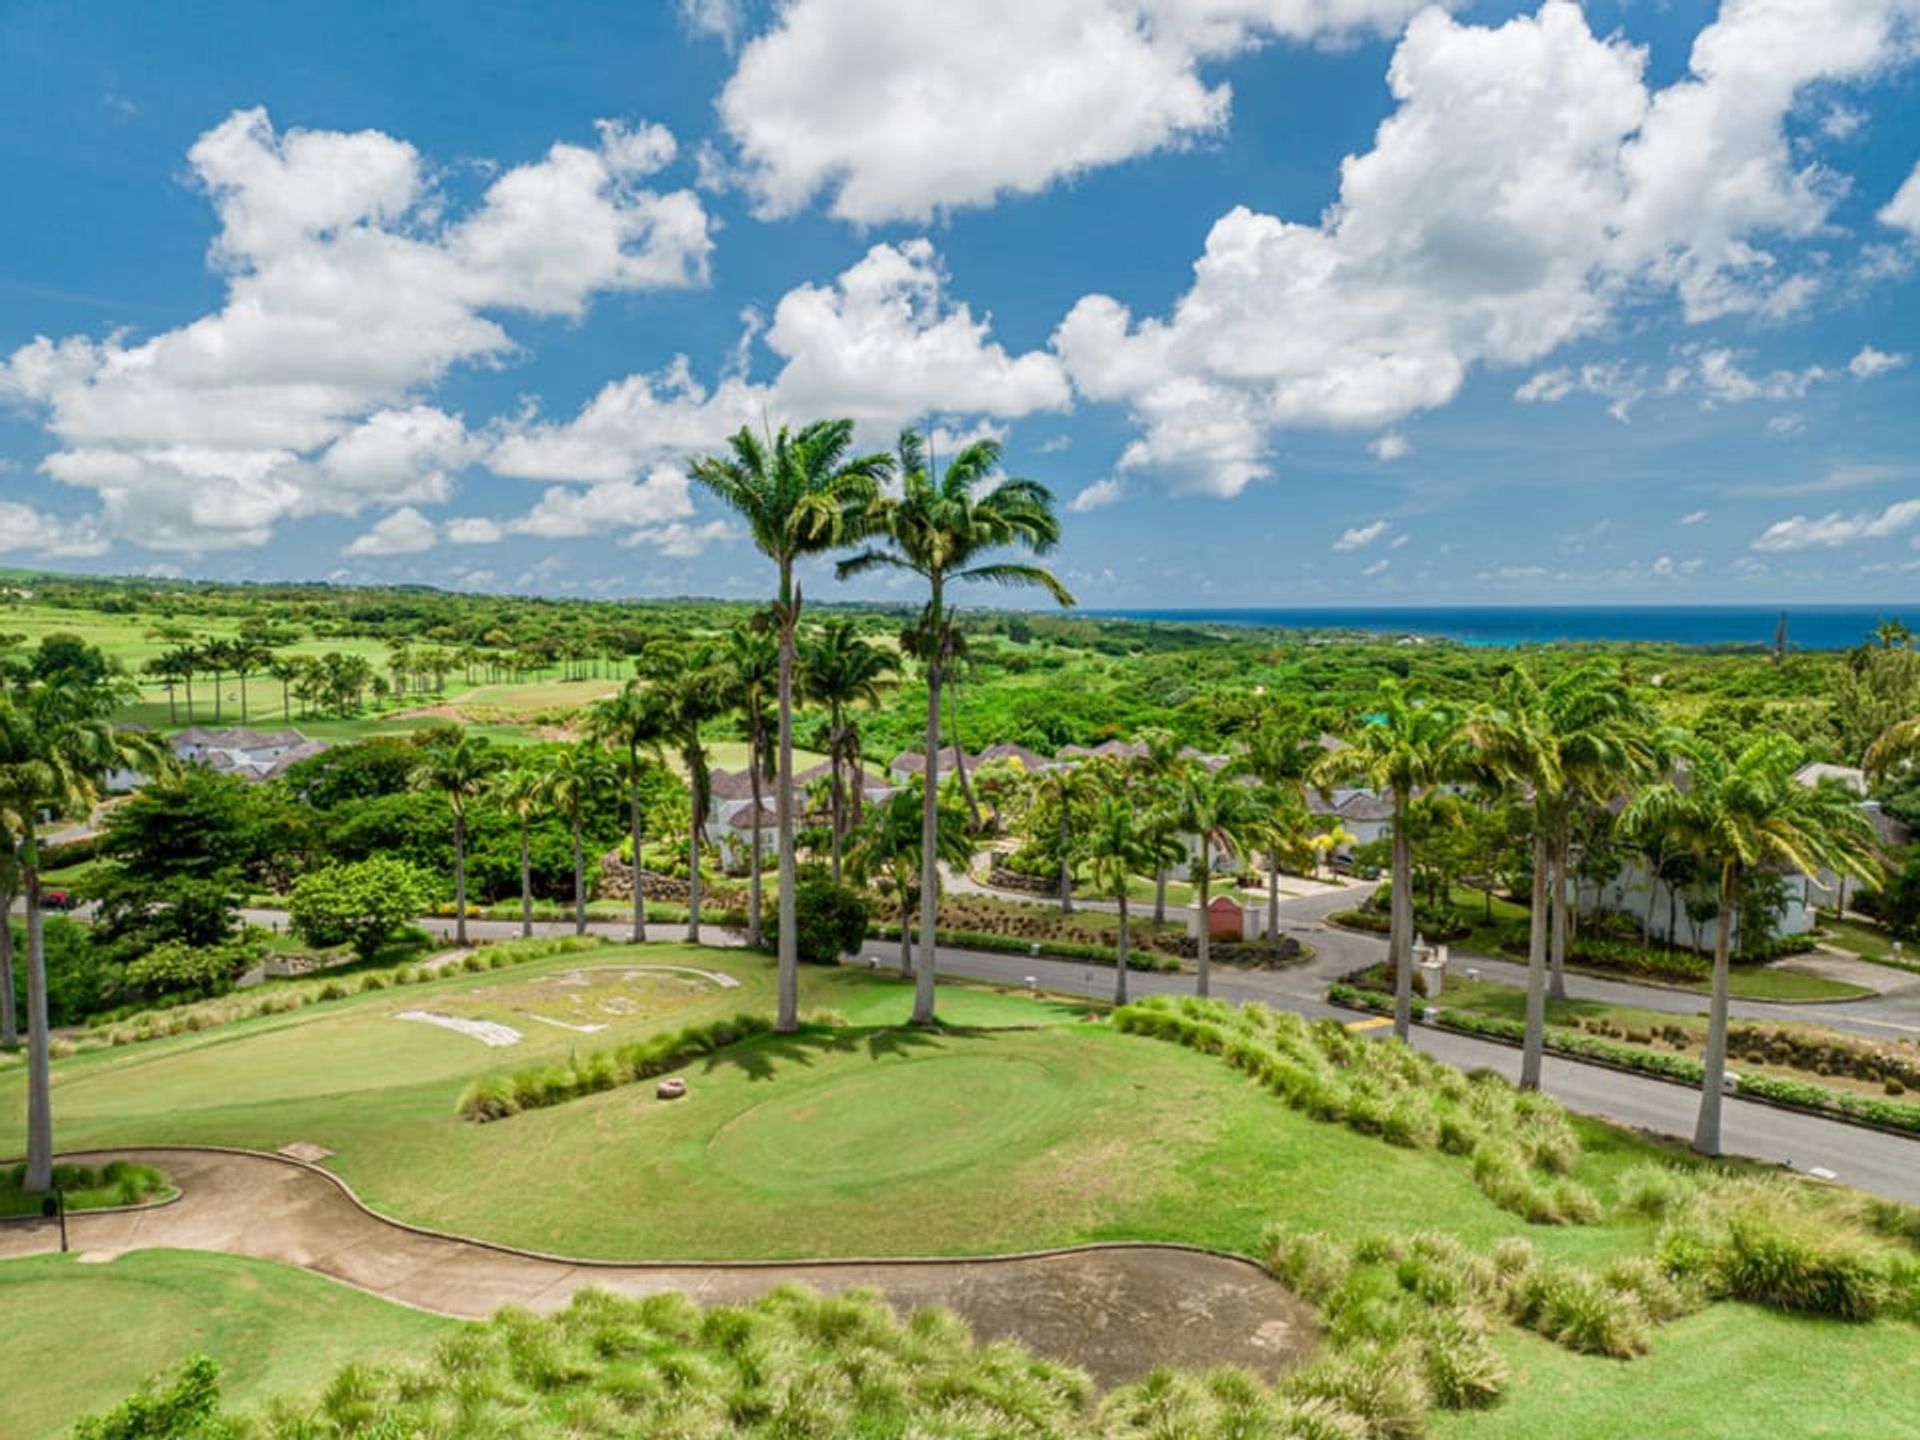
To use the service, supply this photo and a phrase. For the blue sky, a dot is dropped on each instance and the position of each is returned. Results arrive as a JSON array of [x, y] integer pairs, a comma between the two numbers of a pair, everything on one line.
[[1291, 301]]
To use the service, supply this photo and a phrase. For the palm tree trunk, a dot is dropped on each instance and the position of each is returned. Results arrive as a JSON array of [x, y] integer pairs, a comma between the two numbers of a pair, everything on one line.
[[1120, 954], [1534, 1044], [754, 884], [693, 876], [836, 796], [929, 847], [960, 758], [1706, 1132], [906, 932], [243, 697], [1160, 896], [173, 704], [637, 827], [526, 886], [39, 1175], [1203, 882], [579, 879], [1400, 928], [1557, 980], [9, 1018], [217, 688], [1066, 861], [459, 881], [189, 697], [787, 1017], [1273, 898]]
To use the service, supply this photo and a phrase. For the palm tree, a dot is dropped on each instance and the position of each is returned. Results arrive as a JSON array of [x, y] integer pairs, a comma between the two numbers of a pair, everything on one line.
[[455, 766], [1158, 768], [1739, 814], [800, 494], [9, 887], [56, 747], [753, 665], [1280, 754], [632, 724], [1577, 739], [578, 779], [1119, 845], [1058, 796], [1898, 744], [697, 692], [887, 848], [166, 668], [1407, 745], [943, 531], [521, 792], [1219, 814], [841, 670]]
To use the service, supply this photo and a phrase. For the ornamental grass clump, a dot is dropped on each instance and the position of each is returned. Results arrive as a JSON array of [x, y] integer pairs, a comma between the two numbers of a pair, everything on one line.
[[1523, 1146]]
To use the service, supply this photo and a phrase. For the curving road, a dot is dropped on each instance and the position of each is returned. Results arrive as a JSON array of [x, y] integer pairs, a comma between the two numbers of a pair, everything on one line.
[[1117, 1311]]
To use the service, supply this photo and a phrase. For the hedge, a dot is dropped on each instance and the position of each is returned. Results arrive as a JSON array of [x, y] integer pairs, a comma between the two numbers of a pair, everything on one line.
[[1792, 1094], [1138, 958]]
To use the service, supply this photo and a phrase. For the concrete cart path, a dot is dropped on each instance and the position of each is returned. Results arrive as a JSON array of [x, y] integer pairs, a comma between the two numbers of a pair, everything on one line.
[[1116, 1311]]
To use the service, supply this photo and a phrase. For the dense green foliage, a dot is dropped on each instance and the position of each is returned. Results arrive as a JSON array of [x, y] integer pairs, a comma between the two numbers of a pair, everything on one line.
[[358, 905]]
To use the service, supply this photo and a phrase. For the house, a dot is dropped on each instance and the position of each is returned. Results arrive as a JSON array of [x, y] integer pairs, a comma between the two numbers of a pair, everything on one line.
[[730, 814], [253, 755], [1029, 761], [909, 763]]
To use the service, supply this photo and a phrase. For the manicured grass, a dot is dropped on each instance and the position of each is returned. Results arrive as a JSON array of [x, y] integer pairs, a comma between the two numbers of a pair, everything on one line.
[[80, 1336], [1869, 942], [1733, 1372]]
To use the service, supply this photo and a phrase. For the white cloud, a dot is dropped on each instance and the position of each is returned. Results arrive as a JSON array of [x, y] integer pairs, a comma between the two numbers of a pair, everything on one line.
[[1092, 497], [1398, 541], [1722, 381], [1903, 211], [883, 344], [473, 530], [1526, 186], [1693, 517], [1870, 362], [1378, 567], [900, 110], [349, 289], [24, 529], [1832, 529], [1391, 446], [1789, 424], [1360, 536], [1842, 122], [653, 511], [405, 532], [720, 19], [679, 540]]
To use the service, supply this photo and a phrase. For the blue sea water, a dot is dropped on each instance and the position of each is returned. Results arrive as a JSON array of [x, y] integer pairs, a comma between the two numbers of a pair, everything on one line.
[[1809, 627]]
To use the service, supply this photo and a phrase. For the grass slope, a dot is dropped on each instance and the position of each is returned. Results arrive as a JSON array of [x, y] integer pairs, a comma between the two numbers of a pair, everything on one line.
[[78, 1336]]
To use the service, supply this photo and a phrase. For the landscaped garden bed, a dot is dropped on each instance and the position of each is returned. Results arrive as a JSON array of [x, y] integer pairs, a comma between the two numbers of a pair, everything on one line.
[[114, 1185]]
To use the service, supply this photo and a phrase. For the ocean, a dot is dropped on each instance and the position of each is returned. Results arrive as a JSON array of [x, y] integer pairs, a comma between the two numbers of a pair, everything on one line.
[[1809, 627]]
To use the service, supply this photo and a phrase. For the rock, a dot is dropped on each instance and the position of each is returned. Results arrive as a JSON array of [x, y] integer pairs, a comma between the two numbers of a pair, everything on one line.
[[670, 1089]]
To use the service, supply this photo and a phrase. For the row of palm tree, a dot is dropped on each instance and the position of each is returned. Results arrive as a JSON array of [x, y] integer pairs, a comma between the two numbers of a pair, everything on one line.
[[806, 494]]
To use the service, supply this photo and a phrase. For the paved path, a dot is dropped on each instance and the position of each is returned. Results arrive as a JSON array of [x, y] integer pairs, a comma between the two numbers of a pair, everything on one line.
[[1116, 1311]]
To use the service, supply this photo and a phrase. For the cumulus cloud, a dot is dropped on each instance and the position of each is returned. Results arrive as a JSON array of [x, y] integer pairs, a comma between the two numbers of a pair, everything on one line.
[[473, 530], [27, 530], [1526, 186], [349, 288], [405, 532], [1903, 211], [1360, 536], [1798, 532], [1391, 446], [897, 111], [1092, 497], [1870, 362], [884, 343]]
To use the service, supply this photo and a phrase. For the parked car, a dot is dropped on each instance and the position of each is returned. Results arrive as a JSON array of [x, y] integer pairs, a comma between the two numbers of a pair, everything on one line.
[[57, 900]]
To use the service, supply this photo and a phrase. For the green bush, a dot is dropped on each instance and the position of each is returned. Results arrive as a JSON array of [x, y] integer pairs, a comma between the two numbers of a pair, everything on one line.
[[830, 919], [182, 1406]]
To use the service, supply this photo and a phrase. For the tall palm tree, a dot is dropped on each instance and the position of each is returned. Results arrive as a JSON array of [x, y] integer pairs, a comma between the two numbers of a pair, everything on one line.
[[886, 848], [800, 494], [1218, 814], [1898, 744], [455, 765], [1280, 753], [753, 676], [1158, 767], [576, 782], [1060, 797], [1739, 814], [520, 790], [1579, 738], [9, 887], [632, 724], [841, 670], [698, 691], [1120, 845], [56, 748], [1408, 745], [944, 530]]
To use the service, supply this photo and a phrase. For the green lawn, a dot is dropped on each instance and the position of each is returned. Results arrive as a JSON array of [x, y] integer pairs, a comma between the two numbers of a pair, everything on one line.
[[1731, 1373], [1869, 942], [80, 1336]]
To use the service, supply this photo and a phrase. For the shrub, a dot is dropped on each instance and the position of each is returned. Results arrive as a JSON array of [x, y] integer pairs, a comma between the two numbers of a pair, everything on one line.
[[179, 1407], [1653, 1190], [497, 1097], [830, 919]]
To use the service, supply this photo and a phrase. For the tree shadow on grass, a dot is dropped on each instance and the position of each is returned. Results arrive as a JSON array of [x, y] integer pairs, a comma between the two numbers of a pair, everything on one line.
[[766, 1057]]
